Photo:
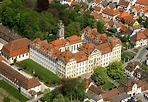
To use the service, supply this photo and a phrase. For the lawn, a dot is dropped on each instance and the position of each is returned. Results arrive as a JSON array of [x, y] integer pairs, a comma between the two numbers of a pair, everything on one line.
[[136, 49], [12, 91], [42, 73], [124, 58], [130, 55], [107, 86]]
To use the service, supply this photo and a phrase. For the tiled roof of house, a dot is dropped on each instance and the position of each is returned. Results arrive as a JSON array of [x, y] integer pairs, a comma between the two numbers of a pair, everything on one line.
[[58, 43], [138, 36], [118, 24], [113, 41], [88, 48], [132, 65], [94, 89], [8, 34], [123, 3], [73, 3], [104, 48], [67, 55], [122, 15], [73, 39], [127, 84], [130, 21], [98, 1], [96, 15], [146, 32], [145, 9], [110, 94], [97, 8], [112, 6], [80, 56], [16, 47], [142, 2], [111, 12], [18, 78], [88, 81], [124, 28]]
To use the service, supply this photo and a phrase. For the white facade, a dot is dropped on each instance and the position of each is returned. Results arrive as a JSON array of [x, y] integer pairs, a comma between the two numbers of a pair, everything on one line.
[[135, 90], [43, 59], [141, 42], [18, 58]]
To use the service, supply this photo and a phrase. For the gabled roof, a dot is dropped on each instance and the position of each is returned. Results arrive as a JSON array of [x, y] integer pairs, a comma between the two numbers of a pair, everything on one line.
[[138, 36], [104, 48], [16, 47], [142, 2], [88, 48], [67, 55], [73, 39], [111, 12], [96, 15], [110, 94], [145, 9], [18, 78], [123, 3], [132, 65], [80, 56], [97, 8], [146, 32]]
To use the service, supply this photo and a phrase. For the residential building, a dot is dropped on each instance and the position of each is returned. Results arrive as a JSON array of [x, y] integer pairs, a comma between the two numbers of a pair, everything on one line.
[[7, 34], [133, 87], [139, 39], [131, 67], [16, 50], [110, 13], [26, 86]]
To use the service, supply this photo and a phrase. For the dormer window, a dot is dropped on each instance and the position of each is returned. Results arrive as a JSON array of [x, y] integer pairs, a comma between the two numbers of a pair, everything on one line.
[[49, 52], [37, 45]]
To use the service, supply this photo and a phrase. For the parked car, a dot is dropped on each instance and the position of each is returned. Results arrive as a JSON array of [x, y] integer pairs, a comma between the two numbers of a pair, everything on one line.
[[19, 69]]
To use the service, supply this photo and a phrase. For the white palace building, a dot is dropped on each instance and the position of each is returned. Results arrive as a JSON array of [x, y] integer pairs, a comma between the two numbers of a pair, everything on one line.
[[73, 56]]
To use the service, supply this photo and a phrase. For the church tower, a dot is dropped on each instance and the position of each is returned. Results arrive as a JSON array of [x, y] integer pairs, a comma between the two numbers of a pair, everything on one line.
[[60, 34]]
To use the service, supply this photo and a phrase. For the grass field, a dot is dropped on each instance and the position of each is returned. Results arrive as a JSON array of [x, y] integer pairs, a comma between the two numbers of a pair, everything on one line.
[[42, 73], [107, 86], [12, 91]]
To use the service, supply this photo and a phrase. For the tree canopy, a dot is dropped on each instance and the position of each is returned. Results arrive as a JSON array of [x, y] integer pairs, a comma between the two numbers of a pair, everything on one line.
[[100, 76], [115, 70], [100, 26]]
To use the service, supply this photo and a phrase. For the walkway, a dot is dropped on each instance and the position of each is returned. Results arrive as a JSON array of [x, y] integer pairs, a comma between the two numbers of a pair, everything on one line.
[[113, 82], [140, 53]]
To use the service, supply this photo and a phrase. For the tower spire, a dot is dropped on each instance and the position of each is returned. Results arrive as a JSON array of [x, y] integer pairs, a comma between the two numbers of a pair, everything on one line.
[[60, 34]]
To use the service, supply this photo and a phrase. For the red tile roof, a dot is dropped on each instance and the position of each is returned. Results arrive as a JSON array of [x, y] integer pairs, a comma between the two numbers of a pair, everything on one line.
[[104, 48], [80, 56], [18, 78], [73, 39], [67, 55], [97, 8], [142, 2], [110, 94], [111, 12], [88, 48], [16, 47], [138, 36]]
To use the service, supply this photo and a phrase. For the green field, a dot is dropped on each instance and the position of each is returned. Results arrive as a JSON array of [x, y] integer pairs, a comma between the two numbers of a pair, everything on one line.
[[12, 91], [42, 73], [107, 86]]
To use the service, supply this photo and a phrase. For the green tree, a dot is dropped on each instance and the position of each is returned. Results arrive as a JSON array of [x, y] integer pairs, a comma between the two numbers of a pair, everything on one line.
[[115, 70], [100, 76], [72, 29], [146, 23], [59, 98], [140, 20], [100, 26], [48, 96], [73, 89]]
